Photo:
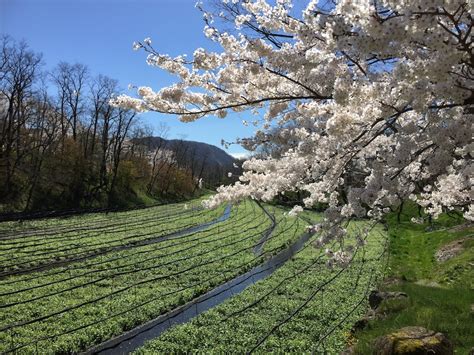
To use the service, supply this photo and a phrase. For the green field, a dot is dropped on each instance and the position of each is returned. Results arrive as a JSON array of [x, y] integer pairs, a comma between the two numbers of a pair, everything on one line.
[[303, 307], [68, 284]]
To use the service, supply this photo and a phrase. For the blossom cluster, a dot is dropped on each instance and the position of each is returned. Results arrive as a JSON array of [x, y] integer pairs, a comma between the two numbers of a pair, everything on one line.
[[366, 103]]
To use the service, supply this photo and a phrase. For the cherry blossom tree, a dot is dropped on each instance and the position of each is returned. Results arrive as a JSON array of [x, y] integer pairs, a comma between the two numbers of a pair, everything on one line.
[[369, 102]]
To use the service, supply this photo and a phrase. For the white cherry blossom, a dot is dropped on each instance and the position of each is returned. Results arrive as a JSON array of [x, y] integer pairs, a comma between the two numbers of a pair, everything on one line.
[[366, 103]]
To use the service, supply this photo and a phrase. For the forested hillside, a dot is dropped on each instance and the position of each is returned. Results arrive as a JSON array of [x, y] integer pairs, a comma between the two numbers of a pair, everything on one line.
[[63, 146], [203, 161]]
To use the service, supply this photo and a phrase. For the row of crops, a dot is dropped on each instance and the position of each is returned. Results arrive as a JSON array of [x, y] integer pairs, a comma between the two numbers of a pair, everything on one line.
[[304, 307], [69, 284]]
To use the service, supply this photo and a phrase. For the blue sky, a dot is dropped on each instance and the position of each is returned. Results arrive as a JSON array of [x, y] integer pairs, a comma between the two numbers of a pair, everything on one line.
[[100, 33]]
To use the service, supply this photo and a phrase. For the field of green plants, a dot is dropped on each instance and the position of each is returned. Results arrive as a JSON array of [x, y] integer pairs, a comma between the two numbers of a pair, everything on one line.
[[303, 307], [68, 284]]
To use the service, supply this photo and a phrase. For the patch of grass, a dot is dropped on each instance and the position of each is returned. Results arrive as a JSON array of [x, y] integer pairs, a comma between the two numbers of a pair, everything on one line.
[[440, 293], [413, 251], [391, 306], [458, 271], [439, 309]]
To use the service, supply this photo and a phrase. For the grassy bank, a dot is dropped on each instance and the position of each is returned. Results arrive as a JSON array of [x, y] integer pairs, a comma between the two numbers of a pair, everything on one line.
[[440, 293]]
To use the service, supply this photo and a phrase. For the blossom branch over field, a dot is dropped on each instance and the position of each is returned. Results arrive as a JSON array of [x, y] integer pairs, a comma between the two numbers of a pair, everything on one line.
[[368, 102]]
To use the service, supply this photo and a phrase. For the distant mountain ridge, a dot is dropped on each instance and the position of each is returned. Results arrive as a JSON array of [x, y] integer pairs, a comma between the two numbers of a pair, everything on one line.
[[205, 160], [216, 155]]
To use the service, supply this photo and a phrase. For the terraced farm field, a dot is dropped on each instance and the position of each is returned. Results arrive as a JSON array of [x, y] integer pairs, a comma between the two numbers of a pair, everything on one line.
[[95, 282]]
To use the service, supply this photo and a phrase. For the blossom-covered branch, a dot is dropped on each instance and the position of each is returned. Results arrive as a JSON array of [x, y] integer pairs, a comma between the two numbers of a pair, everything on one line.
[[367, 102]]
